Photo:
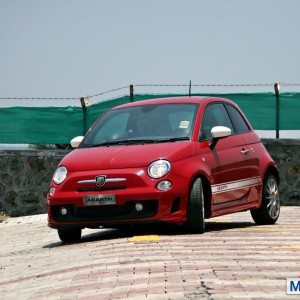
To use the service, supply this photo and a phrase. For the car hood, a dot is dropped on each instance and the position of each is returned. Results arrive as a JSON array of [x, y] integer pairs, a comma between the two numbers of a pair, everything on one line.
[[125, 156]]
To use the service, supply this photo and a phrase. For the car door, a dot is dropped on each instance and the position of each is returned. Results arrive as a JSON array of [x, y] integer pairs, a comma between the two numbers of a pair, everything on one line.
[[251, 151], [229, 159]]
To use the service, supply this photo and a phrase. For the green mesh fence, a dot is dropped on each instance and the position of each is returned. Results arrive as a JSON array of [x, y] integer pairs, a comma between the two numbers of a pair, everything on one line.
[[58, 125]]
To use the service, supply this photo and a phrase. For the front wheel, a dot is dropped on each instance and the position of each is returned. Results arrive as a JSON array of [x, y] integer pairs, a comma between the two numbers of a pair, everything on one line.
[[269, 210], [69, 235], [195, 210]]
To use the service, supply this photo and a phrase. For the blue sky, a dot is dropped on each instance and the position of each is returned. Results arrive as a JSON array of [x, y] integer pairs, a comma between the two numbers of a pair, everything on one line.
[[76, 48]]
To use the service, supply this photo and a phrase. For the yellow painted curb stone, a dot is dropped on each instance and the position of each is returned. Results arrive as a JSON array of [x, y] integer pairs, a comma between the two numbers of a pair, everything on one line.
[[144, 239]]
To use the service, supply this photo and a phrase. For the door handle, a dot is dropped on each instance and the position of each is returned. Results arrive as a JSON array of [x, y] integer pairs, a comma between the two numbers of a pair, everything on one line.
[[245, 151]]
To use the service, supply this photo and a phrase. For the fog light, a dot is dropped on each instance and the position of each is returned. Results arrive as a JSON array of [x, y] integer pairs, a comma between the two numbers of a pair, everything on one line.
[[164, 185], [139, 207], [52, 191], [63, 211]]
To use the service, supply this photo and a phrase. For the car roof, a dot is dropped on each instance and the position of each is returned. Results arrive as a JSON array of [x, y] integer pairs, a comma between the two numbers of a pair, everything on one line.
[[175, 100]]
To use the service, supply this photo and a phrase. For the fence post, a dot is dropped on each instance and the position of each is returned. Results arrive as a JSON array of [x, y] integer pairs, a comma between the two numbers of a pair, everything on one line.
[[277, 91], [190, 88], [131, 91], [84, 102]]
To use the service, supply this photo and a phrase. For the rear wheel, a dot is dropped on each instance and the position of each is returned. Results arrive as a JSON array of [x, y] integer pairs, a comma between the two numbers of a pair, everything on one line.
[[69, 235], [195, 211], [269, 210]]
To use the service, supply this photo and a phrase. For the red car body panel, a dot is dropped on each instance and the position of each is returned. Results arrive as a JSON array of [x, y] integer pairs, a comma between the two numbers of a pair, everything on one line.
[[233, 170]]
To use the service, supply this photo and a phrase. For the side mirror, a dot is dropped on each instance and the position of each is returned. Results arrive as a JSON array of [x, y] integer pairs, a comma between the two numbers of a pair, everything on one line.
[[218, 132], [76, 141]]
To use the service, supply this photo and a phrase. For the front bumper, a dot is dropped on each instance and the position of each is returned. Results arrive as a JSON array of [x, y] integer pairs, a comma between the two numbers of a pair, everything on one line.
[[158, 206]]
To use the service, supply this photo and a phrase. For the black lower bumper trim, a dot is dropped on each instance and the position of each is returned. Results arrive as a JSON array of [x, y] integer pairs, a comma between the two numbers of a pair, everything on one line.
[[104, 213]]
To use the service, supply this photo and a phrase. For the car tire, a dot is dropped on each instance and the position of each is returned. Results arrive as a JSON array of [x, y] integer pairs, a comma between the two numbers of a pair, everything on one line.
[[69, 235], [195, 211], [269, 210]]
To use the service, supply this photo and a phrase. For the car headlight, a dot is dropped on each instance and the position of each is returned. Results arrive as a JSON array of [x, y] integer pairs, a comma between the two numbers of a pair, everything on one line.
[[159, 168], [60, 175]]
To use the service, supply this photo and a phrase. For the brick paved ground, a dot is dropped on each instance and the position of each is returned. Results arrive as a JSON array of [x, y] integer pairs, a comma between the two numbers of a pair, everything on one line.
[[234, 259]]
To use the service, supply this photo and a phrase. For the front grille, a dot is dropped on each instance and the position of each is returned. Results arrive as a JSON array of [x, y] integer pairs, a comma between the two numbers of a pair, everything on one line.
[[95, 189], [106, 213], [109, 185]]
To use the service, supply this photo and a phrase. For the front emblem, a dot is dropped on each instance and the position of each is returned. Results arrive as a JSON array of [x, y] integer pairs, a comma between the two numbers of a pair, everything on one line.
[[100, 180]]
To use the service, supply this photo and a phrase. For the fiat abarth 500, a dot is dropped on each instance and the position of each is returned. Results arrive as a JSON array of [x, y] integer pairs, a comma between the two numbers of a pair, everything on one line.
[[176, 160]]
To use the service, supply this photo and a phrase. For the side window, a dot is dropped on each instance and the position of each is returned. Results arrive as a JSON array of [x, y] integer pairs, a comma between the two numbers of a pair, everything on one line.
[[214, 115], [238, 121]]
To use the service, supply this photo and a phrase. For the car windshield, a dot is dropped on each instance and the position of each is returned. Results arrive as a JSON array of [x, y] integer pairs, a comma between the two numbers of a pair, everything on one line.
[[143, 124]]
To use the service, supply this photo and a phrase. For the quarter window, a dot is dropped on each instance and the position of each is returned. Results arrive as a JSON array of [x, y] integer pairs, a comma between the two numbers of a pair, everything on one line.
[[214, 115], [238, 121]]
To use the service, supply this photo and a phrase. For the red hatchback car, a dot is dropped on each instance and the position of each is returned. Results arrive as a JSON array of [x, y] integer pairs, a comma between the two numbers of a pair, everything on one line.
[[175, 160]]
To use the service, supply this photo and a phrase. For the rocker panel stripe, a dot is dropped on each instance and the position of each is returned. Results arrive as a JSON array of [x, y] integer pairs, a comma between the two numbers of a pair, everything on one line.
[[235, 185]]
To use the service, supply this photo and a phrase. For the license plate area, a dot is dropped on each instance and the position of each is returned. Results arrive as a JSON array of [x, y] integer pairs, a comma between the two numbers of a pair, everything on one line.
[[99, 200]]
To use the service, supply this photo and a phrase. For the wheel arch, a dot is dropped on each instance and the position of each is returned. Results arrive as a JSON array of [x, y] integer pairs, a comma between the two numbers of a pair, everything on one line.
[[206, 191], [271, 169]]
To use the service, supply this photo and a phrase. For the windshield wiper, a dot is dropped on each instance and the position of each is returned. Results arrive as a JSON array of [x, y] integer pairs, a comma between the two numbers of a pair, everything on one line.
[[174, 139], [126, 142], [141, 141]]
